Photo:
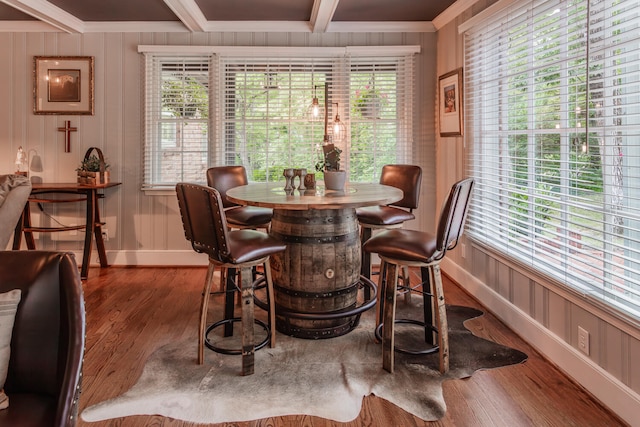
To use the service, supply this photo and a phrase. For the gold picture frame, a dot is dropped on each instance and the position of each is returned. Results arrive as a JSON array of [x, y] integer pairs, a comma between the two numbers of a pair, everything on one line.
[[63, 85], [450, 97]]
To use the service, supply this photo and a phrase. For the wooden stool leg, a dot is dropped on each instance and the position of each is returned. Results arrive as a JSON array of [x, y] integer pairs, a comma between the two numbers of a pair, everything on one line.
[[272, 303], [441, 319], [248, 347], [208, 282], [382, 284], [389, 317]]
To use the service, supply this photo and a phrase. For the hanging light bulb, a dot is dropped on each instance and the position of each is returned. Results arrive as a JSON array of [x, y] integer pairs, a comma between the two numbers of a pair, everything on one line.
[[339, 129], [315, 111]]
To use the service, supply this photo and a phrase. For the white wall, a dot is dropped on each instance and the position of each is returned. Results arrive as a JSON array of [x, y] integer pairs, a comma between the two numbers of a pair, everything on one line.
[[147, 229], [544, 313]]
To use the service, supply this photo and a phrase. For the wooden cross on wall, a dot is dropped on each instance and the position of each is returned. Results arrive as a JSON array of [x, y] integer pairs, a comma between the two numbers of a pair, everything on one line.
[[67, 129]]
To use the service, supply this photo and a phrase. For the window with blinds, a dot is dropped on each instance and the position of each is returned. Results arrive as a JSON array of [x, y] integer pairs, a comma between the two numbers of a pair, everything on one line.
[[254, 111], [177, 120], [553, 120]]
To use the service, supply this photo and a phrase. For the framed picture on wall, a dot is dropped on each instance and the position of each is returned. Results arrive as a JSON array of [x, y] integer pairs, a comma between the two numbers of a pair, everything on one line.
[[63, 85], [450, 97]]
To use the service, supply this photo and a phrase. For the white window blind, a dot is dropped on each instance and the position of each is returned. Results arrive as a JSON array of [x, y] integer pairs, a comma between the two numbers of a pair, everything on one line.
[[256, 113], [176, 119], [553, 116]]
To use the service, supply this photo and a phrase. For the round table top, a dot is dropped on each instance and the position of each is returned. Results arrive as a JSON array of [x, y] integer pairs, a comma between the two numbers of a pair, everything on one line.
[[272, 195]]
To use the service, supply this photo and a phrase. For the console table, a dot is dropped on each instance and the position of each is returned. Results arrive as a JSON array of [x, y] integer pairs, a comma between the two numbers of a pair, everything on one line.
[[90, 194]]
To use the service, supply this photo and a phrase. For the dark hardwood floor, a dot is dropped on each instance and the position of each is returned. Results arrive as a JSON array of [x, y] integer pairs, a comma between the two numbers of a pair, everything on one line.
[[133, 311]]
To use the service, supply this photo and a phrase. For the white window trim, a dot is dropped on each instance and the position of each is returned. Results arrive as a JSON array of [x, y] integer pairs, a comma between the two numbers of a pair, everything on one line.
[[277, 52]]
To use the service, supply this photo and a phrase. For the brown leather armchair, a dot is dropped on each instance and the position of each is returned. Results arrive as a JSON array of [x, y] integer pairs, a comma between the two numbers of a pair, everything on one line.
[[47, 343]]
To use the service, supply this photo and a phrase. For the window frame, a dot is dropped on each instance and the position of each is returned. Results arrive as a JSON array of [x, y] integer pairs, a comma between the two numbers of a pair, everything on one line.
[[564, 255], [218, 55]]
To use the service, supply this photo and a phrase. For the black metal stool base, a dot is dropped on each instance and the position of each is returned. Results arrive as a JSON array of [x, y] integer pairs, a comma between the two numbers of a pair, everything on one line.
[[430, 350], [224, 322]]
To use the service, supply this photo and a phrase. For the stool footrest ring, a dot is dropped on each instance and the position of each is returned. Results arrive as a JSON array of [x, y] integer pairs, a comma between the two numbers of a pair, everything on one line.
[[430, 350], [222, 350]]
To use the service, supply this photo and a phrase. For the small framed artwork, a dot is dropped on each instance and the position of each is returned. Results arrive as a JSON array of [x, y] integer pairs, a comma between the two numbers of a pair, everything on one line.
[[63, 85], [450, 103]]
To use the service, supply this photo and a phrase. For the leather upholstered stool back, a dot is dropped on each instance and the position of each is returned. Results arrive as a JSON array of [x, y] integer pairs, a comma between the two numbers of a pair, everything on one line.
[[407, 178], [224, 178]]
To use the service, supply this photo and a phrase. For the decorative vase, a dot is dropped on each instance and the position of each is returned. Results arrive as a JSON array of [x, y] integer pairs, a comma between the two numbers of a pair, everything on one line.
[[335, 180]]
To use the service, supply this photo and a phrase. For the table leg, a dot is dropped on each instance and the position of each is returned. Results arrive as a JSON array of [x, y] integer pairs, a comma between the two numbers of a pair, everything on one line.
[[24, 225], [102, 253], [17, 233], [89, 231]]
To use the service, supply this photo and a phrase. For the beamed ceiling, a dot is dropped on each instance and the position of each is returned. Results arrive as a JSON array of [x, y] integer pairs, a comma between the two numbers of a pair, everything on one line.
[[316, 16]]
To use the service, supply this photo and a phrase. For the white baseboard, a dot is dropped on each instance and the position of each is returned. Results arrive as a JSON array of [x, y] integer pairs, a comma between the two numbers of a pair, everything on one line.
[[602, 385]]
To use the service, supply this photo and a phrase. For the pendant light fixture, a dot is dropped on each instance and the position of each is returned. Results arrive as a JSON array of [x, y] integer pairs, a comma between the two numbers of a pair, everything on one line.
[[315, 111], [339, 129]]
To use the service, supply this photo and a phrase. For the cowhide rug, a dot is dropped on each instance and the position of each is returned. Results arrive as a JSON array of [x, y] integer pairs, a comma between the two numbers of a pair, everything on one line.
[[326, 378]]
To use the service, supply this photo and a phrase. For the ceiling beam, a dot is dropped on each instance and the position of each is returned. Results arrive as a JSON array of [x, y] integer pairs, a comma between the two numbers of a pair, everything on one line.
[[189, 13], [453, 11], [47, 12], [322, 14]]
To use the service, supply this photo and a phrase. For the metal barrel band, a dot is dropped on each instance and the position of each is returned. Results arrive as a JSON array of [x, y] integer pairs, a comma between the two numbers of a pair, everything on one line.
[[285, 238], [315, 295]]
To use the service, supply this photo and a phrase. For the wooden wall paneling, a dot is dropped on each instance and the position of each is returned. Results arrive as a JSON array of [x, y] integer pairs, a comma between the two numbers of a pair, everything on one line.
[[631, 355], [612, 347], [492, 270], [424, 141], [111, 100], [539, 301], [128, 166], [31, 127], [558, 315], [7, 133], [504, 280], [521, 291]]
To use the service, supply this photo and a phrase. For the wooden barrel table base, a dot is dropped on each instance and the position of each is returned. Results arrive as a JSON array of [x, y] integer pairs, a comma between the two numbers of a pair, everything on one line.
[[318, 274]]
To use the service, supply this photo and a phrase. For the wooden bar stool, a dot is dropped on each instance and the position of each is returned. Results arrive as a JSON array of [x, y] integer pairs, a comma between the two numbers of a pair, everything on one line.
[[409, 248], [205, 226], [407, 178], [223, 178]]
